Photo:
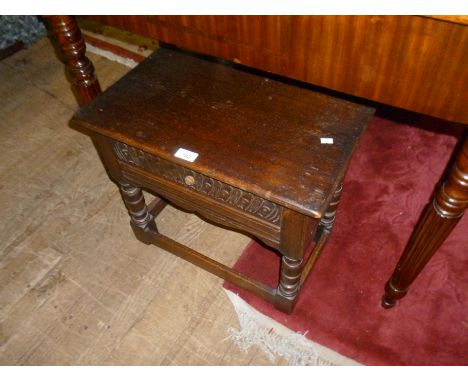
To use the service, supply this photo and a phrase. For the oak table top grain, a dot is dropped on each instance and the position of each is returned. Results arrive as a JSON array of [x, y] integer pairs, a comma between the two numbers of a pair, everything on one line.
[[250, 131]]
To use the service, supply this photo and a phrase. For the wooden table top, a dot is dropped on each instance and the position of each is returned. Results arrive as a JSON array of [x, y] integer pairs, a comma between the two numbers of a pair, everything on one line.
[[253, 132]]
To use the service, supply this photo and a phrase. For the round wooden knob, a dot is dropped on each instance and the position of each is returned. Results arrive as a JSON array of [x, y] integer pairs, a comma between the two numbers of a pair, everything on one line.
[[189, 180]]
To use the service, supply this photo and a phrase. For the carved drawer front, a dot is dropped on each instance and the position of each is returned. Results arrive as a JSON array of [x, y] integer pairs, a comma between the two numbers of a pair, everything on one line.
[[194, 181]]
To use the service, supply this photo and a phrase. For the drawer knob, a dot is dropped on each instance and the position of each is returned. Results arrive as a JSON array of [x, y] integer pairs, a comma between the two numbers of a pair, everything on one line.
[[189, 180]]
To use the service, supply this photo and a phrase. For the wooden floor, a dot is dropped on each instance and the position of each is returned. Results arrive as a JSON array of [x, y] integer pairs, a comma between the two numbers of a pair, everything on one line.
[[76, 287]]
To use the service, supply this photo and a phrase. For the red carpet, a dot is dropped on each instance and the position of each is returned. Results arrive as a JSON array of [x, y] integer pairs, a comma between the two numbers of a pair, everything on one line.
[[389, 180]]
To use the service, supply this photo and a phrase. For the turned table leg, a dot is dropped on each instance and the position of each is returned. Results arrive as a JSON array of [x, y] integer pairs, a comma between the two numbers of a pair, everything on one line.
[[328, 219], [435, 224], [140, 218], [295, 238], [80, 69]]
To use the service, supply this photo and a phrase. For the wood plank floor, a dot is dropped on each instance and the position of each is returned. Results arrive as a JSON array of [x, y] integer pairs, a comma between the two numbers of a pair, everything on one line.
[[76, 287]]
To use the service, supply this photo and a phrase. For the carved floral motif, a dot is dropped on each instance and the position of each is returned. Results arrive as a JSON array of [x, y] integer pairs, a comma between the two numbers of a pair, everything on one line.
[[215, 189]]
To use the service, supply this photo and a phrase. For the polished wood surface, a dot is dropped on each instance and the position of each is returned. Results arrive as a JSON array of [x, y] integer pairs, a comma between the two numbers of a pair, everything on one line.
[[460, 19], [250, 131], [79, 68], [412, 62], [261, 166]]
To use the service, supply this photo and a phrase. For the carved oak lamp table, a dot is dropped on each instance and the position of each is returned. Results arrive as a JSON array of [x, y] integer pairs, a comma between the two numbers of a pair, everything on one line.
[[241, 150]]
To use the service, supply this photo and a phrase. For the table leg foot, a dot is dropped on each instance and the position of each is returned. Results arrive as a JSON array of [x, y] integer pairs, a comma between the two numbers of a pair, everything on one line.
[[289, 284], [391, 295]]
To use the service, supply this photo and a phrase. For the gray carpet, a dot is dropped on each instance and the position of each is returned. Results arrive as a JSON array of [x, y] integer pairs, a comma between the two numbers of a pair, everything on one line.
[[27, 29]]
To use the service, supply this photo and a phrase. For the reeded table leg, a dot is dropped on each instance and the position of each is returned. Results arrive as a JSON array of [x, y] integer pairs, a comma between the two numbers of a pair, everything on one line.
[[80, 69], [435, 224]]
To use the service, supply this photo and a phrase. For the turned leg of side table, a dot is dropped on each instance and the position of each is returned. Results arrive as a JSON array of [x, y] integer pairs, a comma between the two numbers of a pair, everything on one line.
[[435, 224], [328, 220], [295, 238], [80, 69], [140, 216], [322, 232]]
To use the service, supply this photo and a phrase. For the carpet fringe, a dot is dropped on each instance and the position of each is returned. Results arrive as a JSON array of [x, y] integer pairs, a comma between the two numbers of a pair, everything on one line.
[[277, 340]]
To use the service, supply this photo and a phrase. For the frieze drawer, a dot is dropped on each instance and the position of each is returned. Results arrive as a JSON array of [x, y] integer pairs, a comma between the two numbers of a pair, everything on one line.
[[234, 197]]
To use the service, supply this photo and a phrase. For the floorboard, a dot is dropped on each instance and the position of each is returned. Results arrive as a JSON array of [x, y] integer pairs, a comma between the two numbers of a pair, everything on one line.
[[76, 288]]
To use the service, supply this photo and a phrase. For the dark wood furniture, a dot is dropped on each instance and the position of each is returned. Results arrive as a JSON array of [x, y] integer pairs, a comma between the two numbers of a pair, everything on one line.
[[416, 63], [257, 157], [413, 62]]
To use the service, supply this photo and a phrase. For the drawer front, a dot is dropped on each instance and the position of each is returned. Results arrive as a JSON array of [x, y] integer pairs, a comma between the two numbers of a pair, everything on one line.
[[246, 202]]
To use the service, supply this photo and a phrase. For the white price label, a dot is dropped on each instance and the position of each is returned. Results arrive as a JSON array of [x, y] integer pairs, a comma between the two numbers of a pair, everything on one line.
[[187, 155], [326, 141]]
